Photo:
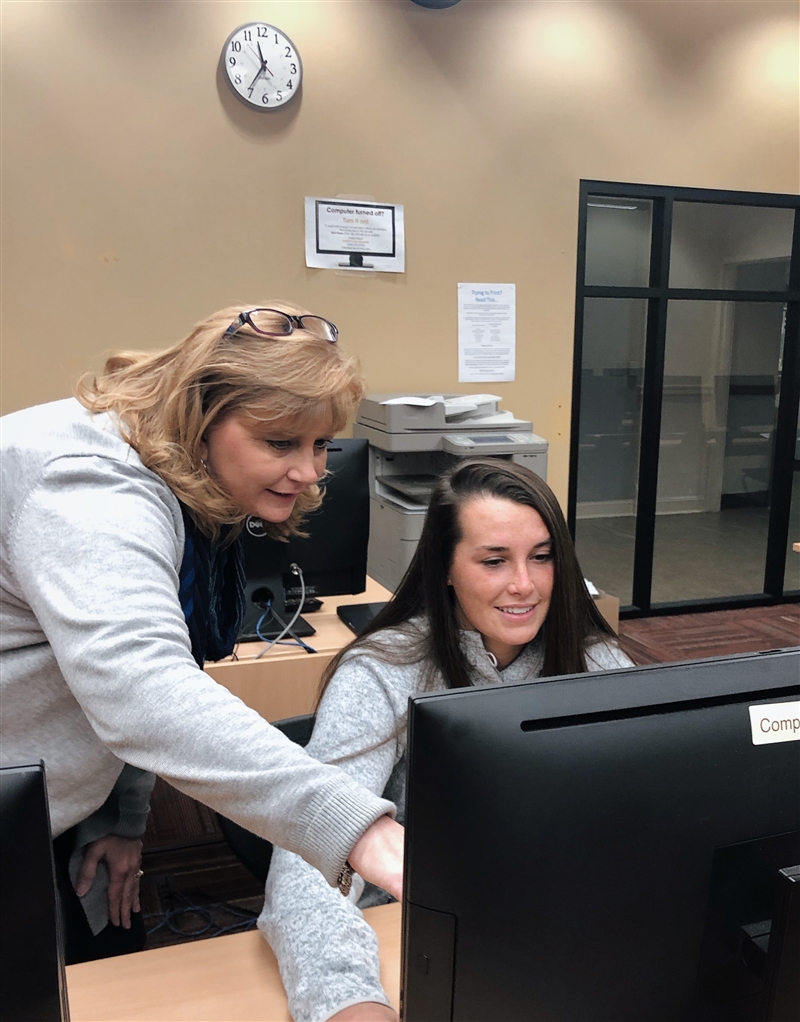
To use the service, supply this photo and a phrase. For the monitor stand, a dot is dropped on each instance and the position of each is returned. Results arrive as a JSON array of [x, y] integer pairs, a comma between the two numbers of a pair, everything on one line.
[[771, 950], [781, 997], [751, 933]]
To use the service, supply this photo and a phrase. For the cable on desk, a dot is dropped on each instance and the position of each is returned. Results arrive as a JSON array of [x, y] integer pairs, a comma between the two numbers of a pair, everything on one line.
[[287, 629]]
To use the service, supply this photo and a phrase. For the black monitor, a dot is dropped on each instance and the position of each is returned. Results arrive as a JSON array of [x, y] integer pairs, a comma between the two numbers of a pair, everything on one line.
[[332, 557], [33, 987], [603, 847]]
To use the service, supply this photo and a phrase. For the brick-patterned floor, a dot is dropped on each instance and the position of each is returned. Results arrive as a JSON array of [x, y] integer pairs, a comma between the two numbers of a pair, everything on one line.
[[716, 633]]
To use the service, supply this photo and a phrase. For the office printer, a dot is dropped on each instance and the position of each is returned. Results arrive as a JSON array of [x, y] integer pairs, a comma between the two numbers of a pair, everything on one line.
[[413, 438]]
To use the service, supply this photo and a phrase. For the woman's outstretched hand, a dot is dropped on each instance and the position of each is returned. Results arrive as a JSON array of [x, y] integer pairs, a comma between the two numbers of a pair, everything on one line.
[[378, 856]]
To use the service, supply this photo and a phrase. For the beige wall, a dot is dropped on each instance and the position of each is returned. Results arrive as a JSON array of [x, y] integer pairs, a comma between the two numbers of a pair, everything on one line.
[[139, 194]]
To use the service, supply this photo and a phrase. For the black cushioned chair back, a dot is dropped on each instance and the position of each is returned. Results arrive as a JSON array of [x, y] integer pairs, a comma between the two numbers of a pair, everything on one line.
[[253, 851]]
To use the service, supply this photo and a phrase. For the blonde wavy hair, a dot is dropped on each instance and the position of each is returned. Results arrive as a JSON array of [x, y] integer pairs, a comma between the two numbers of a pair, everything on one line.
[[165, 402]]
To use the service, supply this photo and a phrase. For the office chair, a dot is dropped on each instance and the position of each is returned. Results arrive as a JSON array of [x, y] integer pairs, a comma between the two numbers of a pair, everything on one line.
[[253, 851]]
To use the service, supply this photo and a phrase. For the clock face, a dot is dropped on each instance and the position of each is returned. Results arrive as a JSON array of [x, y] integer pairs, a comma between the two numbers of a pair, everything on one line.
[[262, 65]]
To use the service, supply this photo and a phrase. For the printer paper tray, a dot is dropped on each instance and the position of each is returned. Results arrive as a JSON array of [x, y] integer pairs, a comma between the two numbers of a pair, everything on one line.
[[410, 491]]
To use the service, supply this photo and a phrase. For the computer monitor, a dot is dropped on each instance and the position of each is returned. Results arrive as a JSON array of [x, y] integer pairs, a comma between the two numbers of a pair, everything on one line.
[[603, 847], [332, 557], [33, 987]]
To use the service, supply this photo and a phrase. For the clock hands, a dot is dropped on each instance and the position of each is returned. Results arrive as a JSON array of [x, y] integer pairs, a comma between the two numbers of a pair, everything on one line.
[[263, 62], [263, 67]]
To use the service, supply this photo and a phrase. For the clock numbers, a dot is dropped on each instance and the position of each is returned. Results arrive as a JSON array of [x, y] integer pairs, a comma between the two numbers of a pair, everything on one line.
[[262, 65]]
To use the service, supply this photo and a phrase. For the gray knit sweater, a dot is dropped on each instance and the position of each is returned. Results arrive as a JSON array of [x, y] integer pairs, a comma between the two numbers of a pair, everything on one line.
[[327, 953], [95, 658]]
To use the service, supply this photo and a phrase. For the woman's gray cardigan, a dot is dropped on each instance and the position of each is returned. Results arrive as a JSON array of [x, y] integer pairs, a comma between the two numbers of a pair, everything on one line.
[[96, 664], [327, 953]]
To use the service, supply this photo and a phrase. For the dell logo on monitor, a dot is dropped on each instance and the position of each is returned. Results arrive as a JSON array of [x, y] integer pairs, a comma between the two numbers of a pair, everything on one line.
[[255, 527]]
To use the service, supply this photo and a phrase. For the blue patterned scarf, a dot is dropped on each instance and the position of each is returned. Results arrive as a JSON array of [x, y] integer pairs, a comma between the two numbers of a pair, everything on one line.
[[211, 591]]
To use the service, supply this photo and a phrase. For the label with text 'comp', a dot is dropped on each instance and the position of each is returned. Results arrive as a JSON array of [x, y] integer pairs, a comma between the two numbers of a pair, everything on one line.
[[775, 722]]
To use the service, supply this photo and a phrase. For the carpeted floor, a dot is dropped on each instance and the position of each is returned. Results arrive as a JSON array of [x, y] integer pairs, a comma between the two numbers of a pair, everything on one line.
[[194, 887]]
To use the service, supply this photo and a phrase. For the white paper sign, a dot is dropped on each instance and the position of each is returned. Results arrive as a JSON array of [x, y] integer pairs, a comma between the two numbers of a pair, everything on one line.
[[355, 235], [487, 331], [775, 722]]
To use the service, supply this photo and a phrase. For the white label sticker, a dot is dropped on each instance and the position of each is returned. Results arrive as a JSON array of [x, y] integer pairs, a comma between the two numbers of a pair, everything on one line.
[[775, 722]]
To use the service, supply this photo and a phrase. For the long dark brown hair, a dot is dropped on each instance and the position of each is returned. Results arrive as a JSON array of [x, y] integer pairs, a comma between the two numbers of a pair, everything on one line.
[[573, 622]]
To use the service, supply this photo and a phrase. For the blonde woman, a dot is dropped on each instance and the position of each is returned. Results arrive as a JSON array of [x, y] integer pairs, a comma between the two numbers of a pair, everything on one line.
[[121, 574]]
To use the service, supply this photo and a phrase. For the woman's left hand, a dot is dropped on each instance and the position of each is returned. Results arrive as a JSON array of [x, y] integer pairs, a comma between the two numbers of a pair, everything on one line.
[[123, 858]]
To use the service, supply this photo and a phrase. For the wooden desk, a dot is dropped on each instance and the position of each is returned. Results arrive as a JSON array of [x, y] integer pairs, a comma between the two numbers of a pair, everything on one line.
[[224, 979], [285, 681]]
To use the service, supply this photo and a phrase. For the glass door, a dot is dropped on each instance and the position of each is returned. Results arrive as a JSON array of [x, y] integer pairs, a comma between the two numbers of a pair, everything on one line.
[[685, 395]]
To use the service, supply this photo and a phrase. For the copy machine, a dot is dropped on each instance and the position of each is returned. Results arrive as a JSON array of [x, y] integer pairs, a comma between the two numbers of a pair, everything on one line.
[[413, 438]]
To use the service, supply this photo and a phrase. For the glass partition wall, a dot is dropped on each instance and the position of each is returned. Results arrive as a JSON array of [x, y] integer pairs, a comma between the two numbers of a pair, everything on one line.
[[684, 471]]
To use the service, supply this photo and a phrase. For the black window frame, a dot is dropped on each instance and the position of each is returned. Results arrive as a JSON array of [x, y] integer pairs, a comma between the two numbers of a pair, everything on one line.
[[658, 294]]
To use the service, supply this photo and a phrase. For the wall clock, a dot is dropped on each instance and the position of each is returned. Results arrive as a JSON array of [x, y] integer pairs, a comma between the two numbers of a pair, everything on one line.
[[262, 65]]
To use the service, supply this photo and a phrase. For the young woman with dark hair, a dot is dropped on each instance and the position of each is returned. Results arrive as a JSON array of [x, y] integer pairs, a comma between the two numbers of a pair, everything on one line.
[[493, 595]]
